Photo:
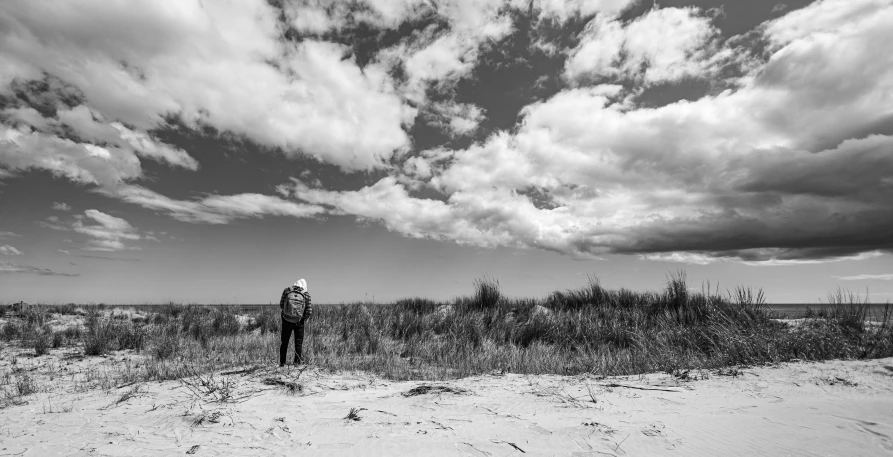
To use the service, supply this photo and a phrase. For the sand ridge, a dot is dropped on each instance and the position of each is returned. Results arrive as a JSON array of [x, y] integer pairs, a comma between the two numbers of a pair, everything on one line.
[[830, 408]]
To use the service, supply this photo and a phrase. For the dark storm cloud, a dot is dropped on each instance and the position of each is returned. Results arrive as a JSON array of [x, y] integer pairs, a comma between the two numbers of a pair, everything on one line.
[[784, 237], [858, 171]]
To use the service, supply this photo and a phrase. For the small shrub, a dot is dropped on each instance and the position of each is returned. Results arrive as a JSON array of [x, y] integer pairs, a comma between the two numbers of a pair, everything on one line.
[[41, 340], [57, 340], [224, 322], [129, 336], [25, 385], [10, 331], [71, 333]]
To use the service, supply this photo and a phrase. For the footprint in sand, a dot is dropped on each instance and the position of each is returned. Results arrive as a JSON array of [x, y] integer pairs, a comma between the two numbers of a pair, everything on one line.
[[880, 438], [469, 449], [652, 432]]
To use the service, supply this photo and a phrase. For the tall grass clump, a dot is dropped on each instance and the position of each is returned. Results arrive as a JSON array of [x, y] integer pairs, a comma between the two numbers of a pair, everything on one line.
[[42, 339], [486, 293], [167, 342], [102, 334]]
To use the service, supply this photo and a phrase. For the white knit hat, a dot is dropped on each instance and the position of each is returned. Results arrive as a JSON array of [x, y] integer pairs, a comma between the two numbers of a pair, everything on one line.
[[302, 283]]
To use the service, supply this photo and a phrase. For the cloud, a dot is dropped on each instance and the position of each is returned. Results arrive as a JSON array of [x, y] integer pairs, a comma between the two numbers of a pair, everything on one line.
[[217, 209], [787, 166], [866, 277], [563, 9], [61, 206], [665, 44], [53, 224], [101, 257], [83, 163], [8, 267], [457, 118], [48, 133], [318, 16], [63, 251], [498, 218], [105, 233], [109, 233], [439, 56], [9, 250], [9, 234], [681, 257], [222, 65]]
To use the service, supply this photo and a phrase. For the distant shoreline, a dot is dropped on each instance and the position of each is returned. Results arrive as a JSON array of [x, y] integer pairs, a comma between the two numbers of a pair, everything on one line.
[[785, 310]]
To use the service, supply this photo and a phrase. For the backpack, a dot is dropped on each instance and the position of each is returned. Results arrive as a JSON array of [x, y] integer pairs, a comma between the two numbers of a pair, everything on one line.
[[294, 304]]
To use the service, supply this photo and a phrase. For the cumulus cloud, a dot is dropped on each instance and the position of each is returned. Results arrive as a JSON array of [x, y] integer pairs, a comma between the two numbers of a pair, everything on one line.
[[319, 16], [83, 163], [563, 9], [665, 44], [440, 57], [457, 118], [8, 234], [9, 250], [107, 233], [61, 206], [788, 167], [222, 65], [216, 209]]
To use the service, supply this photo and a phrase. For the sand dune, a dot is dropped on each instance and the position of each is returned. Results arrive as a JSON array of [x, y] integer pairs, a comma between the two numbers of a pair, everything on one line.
[[832, 408]]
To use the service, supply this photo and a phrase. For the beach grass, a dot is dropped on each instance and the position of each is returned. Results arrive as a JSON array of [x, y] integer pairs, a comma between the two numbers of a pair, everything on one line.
[[587, 330]]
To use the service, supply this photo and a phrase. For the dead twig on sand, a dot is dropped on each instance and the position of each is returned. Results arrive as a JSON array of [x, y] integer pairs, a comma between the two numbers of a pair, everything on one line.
[[243, 371], [135, 391], [290, 386], [428, 389], [621, 442], [510, 444], [614, 384]]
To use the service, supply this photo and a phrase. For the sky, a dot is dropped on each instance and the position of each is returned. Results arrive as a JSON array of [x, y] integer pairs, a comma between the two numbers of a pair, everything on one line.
[[215, 151]]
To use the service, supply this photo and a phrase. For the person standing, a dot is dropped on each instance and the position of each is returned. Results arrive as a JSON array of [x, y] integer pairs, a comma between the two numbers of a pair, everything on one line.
[[296, 309]]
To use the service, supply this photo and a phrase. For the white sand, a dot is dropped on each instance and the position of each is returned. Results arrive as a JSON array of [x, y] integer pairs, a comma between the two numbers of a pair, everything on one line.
[[835, 408]]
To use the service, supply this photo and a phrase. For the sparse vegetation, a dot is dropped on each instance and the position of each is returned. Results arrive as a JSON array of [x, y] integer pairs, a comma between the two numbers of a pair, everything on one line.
[[588, 330]]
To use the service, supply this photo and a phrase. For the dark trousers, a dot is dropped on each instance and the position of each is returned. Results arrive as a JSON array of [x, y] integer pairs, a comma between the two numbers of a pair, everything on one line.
[[287, 328]]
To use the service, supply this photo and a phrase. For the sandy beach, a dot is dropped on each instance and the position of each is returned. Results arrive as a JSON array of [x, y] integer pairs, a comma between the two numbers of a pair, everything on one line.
[[829, 408]]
